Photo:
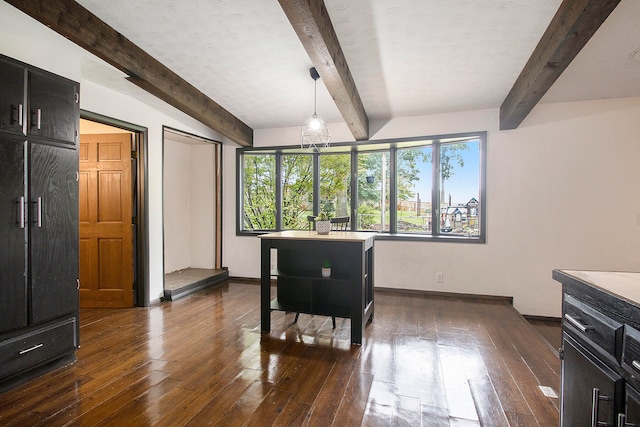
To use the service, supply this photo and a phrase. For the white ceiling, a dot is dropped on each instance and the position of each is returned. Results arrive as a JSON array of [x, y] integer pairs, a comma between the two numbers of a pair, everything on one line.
[[407, 57]]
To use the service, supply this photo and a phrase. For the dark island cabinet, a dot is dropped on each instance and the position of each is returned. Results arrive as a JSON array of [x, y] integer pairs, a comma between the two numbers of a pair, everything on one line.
[[300, 285], [38, 222], [600, 348]]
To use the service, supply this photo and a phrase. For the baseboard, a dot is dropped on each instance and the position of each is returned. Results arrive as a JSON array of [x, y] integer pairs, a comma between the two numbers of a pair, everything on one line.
[[172, 295], [550, 319], [413, 292], [438, 294]]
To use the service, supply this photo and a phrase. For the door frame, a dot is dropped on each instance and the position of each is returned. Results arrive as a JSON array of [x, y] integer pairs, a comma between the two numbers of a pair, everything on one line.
[[140, 183], [217, 196]]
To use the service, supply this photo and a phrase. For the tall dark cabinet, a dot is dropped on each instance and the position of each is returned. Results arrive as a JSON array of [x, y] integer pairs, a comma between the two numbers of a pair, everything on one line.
[[39, 120]]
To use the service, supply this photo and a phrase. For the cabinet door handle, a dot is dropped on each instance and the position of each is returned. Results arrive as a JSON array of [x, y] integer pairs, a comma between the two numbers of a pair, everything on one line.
[[35, 347], [36, 119], [21, 212], [38, 220], [575, 322], [636, 364], [595, 407], [622, 421], [16, 114]]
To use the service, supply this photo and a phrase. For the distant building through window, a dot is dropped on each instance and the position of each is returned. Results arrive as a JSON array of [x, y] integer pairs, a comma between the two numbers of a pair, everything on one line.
[[396, 187]]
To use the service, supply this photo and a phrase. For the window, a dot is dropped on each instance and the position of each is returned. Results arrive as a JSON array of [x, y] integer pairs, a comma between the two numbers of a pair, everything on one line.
[[414, 182], [431, 187], [258, 192], [297, 191], [335, 184], [373, 191]]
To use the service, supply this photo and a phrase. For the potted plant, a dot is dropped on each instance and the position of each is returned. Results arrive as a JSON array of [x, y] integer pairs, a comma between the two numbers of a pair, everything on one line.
[[323, 223], [326, 268]]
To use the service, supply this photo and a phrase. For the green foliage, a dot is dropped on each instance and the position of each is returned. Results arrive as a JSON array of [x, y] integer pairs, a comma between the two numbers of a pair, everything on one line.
[[324, 216], [259, 194], [326, 264], [366, 216], [259, 177], [297, 191]]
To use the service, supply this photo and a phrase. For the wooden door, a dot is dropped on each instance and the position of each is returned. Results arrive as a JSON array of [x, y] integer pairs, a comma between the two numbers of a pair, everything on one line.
[[106, 230], [53, 231]]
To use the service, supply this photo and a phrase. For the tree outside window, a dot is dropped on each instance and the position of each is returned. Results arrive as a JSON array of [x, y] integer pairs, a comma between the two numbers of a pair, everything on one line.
[[429, 186]]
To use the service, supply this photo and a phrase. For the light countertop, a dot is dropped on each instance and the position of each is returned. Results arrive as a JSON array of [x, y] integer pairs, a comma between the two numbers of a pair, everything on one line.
[[334, 236], [625, 285]]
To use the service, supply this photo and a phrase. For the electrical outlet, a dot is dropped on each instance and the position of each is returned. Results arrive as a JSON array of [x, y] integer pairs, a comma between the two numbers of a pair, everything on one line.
[[439, 277]]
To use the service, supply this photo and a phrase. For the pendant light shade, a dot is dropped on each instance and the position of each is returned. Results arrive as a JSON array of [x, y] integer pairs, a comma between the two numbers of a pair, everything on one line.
[[314, 133]]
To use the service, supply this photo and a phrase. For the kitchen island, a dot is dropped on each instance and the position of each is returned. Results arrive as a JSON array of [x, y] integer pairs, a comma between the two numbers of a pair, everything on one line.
[[300, 285], [600, 352]]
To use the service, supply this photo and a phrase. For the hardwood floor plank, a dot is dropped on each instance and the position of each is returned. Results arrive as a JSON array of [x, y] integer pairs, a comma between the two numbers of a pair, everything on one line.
[[329, 397], [380, 405], [459, 398], [407, 411], [294, 414], [200, 360], [354, 402], [269, 409], [222, 406]]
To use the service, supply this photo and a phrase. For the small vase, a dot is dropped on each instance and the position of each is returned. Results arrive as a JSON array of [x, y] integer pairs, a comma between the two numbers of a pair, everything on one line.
[[323, 227], [326, 272]]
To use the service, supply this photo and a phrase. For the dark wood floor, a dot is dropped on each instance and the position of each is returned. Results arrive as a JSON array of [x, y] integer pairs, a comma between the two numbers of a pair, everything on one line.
[[202, 360]]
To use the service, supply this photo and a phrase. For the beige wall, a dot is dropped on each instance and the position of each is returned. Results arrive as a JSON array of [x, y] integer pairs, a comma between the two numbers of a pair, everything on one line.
[[189, 216], [576, 163]]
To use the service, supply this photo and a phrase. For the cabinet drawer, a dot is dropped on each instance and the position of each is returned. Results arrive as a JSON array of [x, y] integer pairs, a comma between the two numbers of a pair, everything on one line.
[[587, 323], [631, 351], [37, 347]]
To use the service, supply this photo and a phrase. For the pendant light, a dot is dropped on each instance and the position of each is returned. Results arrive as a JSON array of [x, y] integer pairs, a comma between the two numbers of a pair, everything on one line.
[[315, 133]]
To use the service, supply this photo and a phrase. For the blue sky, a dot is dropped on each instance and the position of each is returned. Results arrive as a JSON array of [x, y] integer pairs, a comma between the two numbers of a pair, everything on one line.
[[463, 185]]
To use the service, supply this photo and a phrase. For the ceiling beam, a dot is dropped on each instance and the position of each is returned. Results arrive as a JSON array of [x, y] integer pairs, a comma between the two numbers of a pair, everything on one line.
[[311, 22], [570, 29], [77, 24]]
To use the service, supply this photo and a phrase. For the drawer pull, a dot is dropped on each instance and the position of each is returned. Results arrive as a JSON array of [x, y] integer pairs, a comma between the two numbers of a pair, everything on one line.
[[577, 324], [35, 347], [636, 364]]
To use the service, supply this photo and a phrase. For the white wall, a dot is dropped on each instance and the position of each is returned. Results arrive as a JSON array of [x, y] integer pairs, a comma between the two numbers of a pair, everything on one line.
[[562, 192], [26, 40], [176, 206], [189, 186], [562, 189]]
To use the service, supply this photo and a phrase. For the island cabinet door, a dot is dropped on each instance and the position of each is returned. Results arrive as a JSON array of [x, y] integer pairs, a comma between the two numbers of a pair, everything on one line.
[[592, 394], [631, 414]]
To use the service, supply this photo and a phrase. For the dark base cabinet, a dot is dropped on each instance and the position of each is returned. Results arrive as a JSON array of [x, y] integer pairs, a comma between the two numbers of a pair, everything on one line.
[[600, 348], [39, 125], [593, 390], [346, 293]]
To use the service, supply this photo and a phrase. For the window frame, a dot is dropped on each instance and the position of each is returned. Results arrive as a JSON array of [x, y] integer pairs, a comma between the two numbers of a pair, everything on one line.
[[391, 146]]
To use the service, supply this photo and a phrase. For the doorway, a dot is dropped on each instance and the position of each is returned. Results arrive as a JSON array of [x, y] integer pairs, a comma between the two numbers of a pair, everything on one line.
[[192, 213], [112, 213]]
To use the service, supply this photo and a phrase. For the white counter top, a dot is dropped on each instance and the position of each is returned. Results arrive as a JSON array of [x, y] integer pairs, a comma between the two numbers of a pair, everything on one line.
[[625, 285], [334, 236]]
